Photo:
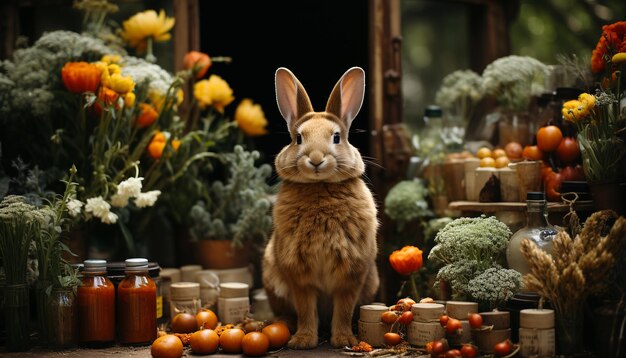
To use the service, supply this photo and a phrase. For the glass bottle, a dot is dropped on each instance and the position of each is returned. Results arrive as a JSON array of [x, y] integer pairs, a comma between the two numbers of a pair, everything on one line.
[[62, 318], [96, 305], [537, 229], [136, 304]]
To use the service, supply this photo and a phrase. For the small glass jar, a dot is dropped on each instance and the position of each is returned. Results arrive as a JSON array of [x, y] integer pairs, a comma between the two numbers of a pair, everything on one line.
[[185, 298], [209, 288], [62, 318], [96, 305], [233, 303], [136, 304]]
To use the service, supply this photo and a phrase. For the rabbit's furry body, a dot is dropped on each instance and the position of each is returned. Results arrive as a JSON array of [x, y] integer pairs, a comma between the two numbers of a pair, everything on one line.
[[322, 253]]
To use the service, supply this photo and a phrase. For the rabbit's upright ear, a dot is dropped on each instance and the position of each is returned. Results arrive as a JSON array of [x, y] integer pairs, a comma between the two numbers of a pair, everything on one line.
[[293, 101], [347, 97]]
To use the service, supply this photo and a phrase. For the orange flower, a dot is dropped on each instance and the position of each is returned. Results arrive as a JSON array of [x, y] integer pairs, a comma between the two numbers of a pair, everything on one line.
[[406, 260], [147, 116], [158, 143], [612, 41], [198, 62], [80, 77], [108, 97]]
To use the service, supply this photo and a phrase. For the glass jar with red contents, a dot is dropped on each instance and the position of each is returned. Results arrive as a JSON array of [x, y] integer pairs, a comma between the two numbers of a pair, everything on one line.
[[96, 305], [136, 304]]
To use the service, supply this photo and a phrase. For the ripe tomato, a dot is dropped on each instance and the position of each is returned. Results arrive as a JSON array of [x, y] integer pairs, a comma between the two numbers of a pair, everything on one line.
[[184, 323], [475, 320], [167, 346], [206, 319], [453, 353], [552, 186], [469, 350], [388, 317], [230, 340], [255, 344], [549, 138], [204, 341], [453, 326], [503, 348], [406, 317], [532, 152], [439, 346], [404, 304], [568, 150], [392, 339], [513, 150], [443, 320], [277, 333]]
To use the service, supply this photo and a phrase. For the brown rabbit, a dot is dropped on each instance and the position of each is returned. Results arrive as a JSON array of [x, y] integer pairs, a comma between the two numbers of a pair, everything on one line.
[[322, 253]]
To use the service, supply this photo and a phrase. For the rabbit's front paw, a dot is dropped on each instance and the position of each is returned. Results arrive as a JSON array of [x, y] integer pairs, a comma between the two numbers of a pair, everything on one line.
[[303, 341], [343, 339]]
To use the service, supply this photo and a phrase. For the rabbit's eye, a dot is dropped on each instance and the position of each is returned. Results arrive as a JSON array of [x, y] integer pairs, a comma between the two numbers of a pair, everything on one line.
[[336, 138], [298, 138]]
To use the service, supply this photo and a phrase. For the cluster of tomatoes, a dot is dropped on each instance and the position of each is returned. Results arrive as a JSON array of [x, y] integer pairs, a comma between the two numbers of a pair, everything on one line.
[[560, 155], [400, 313], [203, 334]]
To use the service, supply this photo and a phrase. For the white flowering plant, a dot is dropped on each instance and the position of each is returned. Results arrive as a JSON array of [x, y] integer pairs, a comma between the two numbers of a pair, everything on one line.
[[513, 80], [469, 252], [459, 93]]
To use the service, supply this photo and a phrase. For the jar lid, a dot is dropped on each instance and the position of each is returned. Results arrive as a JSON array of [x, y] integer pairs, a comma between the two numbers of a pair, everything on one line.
[[233, 289], [184, 291], [433, 111], [371, 313], [461, 309], [95, 264], [535, 195], [189, 268], [116, 269], [536, 318], [171, 274], [207, 278], [136, 263]]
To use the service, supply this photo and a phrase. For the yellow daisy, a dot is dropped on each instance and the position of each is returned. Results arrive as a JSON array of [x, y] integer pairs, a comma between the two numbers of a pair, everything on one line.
[[144, 25], [213, 92], [250, 118]]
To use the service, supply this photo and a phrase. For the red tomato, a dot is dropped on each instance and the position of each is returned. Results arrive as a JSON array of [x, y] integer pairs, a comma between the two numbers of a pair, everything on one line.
[[502, 349], [568, 150], [549, 138], [255, 344], [453, 326], [184, 323], [453, 353], [443, 320], [206, 319], [532, 152], [392, 339], [475, 320], [278, 334], [552, 186], [513, 150], [404, 304], [167, 346], [439, 346], [406, 318], [580, 173], [469, 351], [205, 341], [389, 317]]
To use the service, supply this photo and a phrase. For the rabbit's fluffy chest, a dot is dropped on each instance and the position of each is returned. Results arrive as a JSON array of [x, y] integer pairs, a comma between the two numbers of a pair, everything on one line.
[[323, 231]]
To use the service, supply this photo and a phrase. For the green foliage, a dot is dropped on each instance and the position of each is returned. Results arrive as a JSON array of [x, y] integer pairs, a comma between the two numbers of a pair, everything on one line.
[[237, 206], [407, 201]]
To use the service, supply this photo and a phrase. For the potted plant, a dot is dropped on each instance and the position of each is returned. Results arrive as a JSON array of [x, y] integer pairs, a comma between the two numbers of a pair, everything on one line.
[[234, 211]]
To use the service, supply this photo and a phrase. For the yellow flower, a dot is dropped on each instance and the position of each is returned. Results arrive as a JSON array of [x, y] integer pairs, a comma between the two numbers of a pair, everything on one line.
[[129, 99], [588, 99], [144, 25], [250, 118], [213, 92], [121, 84], [618, 58], [110, 59], [570, 110]]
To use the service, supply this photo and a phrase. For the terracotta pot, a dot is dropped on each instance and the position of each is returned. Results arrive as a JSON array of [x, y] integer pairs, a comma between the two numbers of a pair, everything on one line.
[[221, 254]]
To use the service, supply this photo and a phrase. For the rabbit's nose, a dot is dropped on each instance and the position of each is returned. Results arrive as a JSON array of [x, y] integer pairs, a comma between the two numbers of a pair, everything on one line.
[[316, 158]]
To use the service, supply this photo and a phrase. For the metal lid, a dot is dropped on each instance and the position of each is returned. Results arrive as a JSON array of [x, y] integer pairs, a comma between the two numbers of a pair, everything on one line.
[[136, 263], [233, 289], [184, 291], [95, 264], [433, 111], [535, 195]]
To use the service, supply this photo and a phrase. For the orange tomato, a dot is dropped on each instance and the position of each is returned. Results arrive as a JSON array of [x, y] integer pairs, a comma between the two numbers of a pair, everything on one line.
[[204, 341], [206, 319], [230, 340], [513, 150], [277, 333], [532, 152], [502, 162], [487, 162], [255, 344], [497, 153], [392, 339], [167, 346], [388, 317], [484, 152], [549, 138], [184, 323]]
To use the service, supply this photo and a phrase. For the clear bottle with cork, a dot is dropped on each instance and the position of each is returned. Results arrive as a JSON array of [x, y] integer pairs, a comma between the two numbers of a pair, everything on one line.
[[136, 304], [96, 305], [537, 229]]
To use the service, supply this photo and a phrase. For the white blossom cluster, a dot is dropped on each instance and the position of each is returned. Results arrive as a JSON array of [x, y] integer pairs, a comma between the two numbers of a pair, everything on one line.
[[142, 72], [495, 284], [461, 88], [514, 79]]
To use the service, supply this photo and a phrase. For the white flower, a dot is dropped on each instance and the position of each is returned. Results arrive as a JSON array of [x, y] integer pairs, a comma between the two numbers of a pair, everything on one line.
[[119, 201], [159, 80], [74, 207], [130, 187], [109, 218], [147, 199], [98, 207]]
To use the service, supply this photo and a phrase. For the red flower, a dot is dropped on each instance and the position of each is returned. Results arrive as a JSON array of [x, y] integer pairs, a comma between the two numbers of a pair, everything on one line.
[[80, 77], [612, 41], [406, 260]]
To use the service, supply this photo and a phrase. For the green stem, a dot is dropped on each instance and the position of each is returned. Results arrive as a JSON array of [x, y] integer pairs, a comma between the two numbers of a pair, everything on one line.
[[413, 286], [149, 55]]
